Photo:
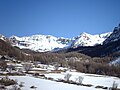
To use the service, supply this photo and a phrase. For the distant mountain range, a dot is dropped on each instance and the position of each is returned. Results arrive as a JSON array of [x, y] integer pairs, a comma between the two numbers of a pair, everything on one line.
[[43, 43], [109, 46], [86, 39], [40, 43]]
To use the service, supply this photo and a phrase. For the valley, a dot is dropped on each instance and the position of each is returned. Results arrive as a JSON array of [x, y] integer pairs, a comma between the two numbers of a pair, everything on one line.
[[84, 62]]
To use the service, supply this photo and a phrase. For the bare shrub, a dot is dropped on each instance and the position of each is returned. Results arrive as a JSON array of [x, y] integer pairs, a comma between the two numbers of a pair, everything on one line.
[[7, 82], [67, 77], [79, 79], [27, 66], [15, 87], [114, 86]]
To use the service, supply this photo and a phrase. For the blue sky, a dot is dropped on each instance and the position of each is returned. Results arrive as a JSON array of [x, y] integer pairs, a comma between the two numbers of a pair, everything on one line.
[[60, 18]]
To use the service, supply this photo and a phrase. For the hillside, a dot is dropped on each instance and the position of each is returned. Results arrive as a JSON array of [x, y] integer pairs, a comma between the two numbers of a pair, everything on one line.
[[7, 49], [115, 36]]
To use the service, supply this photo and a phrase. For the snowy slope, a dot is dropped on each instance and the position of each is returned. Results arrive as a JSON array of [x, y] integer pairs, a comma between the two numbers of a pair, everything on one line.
[[43, 43], [40, 43], [2, 37], [86, 39]]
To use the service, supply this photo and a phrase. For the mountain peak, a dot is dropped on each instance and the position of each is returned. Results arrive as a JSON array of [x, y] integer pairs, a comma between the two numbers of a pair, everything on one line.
[[86, 39], [43, 43], [39, 43], [2, 37], [115, 36], [84, 33]]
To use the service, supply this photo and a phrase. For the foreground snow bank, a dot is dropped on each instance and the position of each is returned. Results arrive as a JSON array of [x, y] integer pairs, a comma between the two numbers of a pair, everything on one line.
[[43, 84], [93, 79], [52, 84]]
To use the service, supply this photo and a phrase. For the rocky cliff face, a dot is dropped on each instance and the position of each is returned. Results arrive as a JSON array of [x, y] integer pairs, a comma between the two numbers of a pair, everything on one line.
[[115, 36]]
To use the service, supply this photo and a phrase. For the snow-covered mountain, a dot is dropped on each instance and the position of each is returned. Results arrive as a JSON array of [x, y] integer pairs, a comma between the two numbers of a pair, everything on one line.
[[115, 36], [2, 37], [39, 43], [43, 43], [86, 39]]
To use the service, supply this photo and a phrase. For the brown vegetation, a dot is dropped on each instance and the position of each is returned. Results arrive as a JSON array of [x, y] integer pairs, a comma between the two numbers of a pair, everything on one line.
[[74, 59], [7, 82]]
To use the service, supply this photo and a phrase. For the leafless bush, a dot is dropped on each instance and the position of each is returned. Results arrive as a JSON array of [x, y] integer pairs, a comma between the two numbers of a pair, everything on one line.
[[7, 82], [15, 87], [27, 66], [114, 86], [79, 80], [67, 77]]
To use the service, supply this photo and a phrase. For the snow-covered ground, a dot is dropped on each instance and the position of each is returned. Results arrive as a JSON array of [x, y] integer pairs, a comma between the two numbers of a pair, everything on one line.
[[48, 79], [93, 79], [43, 84]]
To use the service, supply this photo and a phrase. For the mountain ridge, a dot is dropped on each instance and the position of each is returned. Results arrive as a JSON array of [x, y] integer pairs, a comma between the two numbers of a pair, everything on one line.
[[43, 43], [86, 39], [46, 43], [114, 36]]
